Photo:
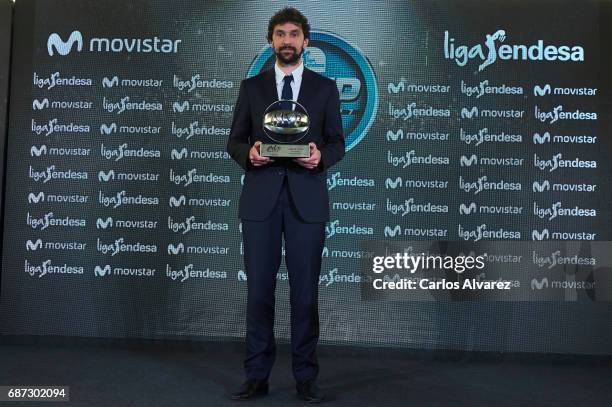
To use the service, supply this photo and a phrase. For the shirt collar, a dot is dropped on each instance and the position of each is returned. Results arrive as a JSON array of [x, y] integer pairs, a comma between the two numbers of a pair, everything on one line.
[[297, 73]]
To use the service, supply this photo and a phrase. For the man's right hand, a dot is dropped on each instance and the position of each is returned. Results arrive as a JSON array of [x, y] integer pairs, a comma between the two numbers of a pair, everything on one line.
[[255, 158]]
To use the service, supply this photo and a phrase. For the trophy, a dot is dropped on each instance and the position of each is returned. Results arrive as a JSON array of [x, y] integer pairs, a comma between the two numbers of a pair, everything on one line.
[[285, 122]]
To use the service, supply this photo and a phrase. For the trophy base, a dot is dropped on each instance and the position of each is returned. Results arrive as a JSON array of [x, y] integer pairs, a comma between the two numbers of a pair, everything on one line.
[[284, 150]]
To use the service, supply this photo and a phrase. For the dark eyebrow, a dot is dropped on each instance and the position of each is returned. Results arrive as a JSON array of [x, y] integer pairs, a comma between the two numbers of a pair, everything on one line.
[[279, 30]]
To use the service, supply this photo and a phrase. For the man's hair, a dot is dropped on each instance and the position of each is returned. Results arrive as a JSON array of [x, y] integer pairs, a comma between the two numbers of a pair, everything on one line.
[[288, 15]]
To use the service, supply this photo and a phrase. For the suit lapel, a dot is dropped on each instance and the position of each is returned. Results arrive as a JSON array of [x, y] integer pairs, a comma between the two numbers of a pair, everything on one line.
[[305, 87], [269, 91]]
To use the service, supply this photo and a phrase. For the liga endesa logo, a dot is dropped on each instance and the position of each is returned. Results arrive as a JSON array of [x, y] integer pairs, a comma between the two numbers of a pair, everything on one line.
[[461, 54], [335, 58]]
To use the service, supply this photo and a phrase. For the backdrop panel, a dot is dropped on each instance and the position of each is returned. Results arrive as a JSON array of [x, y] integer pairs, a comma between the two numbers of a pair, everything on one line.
[[465, 121]]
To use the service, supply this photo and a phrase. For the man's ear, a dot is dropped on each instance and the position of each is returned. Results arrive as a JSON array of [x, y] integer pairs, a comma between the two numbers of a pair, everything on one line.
[[306, 42]]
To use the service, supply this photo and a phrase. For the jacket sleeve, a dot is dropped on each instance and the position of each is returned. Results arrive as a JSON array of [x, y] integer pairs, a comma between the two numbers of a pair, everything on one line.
[[238, 143], [333, 149]]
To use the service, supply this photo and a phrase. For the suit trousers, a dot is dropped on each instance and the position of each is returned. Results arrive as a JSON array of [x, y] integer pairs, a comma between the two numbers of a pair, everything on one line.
[[262, 241]]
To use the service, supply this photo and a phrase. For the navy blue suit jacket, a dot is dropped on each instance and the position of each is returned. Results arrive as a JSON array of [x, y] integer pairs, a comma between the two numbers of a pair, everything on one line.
[[319, 95]]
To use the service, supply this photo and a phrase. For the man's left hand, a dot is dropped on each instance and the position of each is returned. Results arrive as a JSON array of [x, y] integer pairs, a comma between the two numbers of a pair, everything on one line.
[[310, 162]]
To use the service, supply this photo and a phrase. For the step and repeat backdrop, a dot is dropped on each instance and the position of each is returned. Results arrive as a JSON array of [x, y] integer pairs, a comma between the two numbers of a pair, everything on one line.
[[465, 122]]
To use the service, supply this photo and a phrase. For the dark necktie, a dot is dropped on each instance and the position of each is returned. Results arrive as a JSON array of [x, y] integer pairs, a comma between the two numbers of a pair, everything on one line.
[[287, 93]]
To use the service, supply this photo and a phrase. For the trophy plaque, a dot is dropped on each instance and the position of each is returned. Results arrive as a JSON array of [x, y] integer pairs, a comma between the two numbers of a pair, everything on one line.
[[285, 122]]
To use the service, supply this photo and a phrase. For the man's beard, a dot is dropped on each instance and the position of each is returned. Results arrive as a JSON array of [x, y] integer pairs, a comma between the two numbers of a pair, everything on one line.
[[289, 60]]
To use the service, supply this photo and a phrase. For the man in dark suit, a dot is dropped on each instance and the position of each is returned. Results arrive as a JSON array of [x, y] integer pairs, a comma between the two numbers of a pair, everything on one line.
[[284, 197]]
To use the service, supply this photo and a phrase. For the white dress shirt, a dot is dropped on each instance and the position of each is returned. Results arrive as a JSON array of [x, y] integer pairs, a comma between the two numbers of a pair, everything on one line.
[[295, 84]]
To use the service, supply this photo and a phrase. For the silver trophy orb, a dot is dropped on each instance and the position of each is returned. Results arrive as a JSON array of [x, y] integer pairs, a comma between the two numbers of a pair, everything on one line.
[[286, 127]]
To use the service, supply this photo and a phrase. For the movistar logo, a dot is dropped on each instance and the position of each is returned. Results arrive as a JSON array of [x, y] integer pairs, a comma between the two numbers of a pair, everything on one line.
[[176, 202], [467, 209], [392, 184], [34, 245], [106, 176], [561, 91], [36, 198], [541, 186], [102, 271], [109, 83], [543, 235], [38, 151], [466, 162], [178, 155], [56, 45], [469, 113], [391, 136], [105, 129], [40, 104], [104, 223], [180, 107], [541, 90], [172, 249], [392, 232], [539, 285], [541, 139]]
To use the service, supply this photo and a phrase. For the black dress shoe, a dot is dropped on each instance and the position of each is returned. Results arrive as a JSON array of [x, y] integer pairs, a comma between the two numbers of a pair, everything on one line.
[[251, 389], [309, 391]]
